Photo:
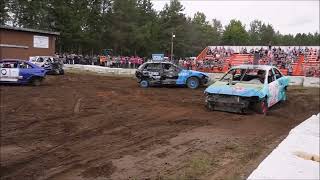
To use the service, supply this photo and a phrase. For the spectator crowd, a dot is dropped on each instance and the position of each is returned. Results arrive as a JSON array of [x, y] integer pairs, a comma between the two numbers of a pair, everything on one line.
[[284, 58], [107, 61], [215, 57]]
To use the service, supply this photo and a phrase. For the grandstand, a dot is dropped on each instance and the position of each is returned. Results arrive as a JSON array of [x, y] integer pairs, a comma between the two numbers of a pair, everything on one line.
[[296, 61]]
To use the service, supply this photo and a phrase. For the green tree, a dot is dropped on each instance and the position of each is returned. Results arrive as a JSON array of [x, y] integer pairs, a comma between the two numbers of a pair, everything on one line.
[[133, 27], [255, 32], [31, 13], [217, 31], [316, 39], [4, 8], [235, 34], [145, 38], [172, 20], [200, 33], [267, 34]]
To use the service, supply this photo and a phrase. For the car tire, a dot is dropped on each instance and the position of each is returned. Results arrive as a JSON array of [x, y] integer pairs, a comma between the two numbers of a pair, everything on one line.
[[144, 83], [193, 83], [36, 82], [56, 71], [243, 111], [284, 95], [262, 107], [61, 72]]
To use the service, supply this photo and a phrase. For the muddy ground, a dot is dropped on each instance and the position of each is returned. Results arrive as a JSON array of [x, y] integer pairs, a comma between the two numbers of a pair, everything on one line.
[[84, 126]]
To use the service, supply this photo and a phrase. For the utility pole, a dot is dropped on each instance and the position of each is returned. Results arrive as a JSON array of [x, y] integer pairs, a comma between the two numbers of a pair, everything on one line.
[[172, 36]]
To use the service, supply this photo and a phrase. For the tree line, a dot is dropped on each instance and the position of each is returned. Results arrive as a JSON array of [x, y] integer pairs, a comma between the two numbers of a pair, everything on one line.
[[133, 27]]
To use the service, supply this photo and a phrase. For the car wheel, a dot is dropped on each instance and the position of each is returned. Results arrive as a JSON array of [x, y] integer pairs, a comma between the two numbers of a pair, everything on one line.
[[243, 111], [284, 98], [61, 72], [193, 83], [144, 83], [262, 107], [56, 71], [36, 82]]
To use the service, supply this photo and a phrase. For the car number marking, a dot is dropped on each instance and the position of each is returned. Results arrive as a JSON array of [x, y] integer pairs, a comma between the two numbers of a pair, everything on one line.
[[9, 74], [3, 71], [154, 73]]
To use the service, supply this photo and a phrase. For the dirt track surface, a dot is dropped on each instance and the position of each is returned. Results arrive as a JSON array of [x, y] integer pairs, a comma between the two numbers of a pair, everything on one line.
[[81, 126]]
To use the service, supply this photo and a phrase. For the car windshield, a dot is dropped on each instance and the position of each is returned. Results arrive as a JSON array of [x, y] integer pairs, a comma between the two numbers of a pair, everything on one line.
[[250, 76], [171, 65], [180, 67]]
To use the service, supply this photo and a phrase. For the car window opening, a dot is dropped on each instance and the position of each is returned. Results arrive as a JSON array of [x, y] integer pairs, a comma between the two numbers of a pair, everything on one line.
[[249, 76]]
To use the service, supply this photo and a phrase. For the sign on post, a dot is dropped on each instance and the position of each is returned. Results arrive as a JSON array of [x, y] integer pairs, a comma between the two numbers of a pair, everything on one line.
[[157, 57]]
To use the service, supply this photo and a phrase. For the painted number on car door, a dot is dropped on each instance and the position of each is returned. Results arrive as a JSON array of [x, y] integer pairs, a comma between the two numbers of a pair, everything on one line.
[[9, 72]]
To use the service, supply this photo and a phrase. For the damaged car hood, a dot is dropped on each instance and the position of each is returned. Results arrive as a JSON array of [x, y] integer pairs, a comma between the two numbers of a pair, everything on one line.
[[239, 89]]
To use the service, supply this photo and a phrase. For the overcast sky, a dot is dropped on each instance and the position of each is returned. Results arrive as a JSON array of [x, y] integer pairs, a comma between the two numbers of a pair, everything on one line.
[[286, 16]]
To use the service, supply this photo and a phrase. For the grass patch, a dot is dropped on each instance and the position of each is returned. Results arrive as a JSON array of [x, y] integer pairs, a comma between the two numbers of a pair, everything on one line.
[[233, 147], [235, 176], [197, 167]]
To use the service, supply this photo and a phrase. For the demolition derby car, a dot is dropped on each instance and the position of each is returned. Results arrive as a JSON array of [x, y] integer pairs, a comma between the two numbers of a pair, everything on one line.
[[167, 73], [21, 72], [245, 86], [50, 64]]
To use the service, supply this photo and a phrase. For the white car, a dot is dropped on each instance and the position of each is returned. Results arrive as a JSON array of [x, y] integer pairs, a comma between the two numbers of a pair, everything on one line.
[[244, 86], [49, 63]]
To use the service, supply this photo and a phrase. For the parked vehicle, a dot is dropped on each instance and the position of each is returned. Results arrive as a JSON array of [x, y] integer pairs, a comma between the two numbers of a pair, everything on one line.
[[21, 72], [245, 86], [167, 73], [51, 64]]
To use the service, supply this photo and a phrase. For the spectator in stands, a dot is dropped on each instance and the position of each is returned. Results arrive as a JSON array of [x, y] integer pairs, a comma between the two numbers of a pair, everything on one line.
[[290, 70], [256, 57]]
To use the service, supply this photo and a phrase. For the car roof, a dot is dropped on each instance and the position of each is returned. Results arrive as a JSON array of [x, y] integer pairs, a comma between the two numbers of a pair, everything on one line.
[[249, 66], [16, 60], [159, 62], [44, 56], [11, 60]]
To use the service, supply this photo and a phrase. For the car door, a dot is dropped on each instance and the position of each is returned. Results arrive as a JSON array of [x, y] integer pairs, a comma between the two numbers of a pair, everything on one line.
[[9, 72], [153, 71], [170, 73], [25, 71], [273, 88], [282, 84]]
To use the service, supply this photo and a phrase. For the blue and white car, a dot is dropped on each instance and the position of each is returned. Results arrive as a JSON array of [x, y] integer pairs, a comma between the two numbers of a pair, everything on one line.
[[245, 86], [167, 73], [21, 72]]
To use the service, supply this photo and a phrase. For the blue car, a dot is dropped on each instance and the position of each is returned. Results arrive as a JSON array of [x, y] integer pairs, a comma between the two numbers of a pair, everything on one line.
[[167, 73], [21, 72], [247, 86]]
